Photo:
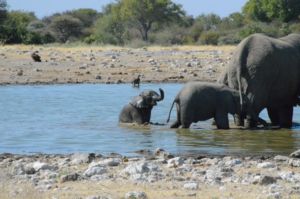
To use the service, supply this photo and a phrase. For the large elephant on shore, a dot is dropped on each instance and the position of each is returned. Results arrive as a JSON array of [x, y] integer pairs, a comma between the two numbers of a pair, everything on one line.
[[199, 101], [267, 71], [138, 110]]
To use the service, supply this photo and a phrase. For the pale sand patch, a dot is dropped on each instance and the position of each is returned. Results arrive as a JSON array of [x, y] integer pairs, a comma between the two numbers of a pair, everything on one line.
[[109, 64]]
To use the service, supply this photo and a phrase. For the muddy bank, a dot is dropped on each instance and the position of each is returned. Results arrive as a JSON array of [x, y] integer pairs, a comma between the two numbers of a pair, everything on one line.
[[62, 65], [158, 174]]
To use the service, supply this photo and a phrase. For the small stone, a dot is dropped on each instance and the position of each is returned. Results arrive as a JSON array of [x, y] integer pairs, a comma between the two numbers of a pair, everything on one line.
[[69, 177], [189, 64], [266, 180], [191, 186], [98, 77], [136, 195], [295, 154], [20, 73], [79, 158], [175, 162], [233, 162], [158, 151], [29, 170]]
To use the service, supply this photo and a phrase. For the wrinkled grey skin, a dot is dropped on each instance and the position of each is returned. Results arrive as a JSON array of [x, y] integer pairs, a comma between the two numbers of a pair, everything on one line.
[[199, 101], [267, 71], [139, 108]]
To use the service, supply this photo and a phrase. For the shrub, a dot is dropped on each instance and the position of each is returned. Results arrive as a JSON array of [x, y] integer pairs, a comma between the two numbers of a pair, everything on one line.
[[209, 38]]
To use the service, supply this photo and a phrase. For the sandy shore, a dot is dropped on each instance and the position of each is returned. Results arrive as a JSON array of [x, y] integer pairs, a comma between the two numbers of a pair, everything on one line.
[[111, 64], [155, 175]]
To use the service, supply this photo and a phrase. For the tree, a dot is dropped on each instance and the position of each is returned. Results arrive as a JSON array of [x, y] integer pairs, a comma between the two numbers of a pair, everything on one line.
[[86, 16], [65, 27], [269, 10], [143, 13], [208, 22], [3, 10], [14, 28], [110, 28]]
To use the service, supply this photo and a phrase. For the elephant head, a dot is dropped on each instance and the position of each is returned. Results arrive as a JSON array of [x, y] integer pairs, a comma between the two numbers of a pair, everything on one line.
[[147, 99]]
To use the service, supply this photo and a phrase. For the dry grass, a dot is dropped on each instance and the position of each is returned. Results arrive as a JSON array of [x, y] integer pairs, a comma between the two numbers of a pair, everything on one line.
[[116, 190]]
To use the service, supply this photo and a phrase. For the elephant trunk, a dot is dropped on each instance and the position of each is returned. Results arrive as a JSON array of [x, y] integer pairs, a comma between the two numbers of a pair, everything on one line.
[[159, 97]]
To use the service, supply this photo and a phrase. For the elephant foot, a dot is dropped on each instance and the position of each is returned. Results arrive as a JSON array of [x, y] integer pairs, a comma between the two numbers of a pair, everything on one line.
[[175, 125], [238, 121], [250, 123], [213, 123], [286, 117]]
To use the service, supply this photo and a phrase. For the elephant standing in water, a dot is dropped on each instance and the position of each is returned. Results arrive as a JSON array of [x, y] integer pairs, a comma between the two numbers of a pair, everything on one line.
[[199, 101], [139, 108], [267, 71]]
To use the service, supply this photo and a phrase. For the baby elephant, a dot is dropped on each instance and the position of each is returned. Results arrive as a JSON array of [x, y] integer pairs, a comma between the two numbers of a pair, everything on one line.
[[139, 109], [199, 101]]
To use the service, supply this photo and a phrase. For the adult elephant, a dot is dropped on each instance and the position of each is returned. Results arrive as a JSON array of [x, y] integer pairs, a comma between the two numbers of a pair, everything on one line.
[[267, 71], [139, 108]]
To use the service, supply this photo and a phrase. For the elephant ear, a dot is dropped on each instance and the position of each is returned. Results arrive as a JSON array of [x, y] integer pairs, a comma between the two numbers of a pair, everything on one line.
[[138, 102]]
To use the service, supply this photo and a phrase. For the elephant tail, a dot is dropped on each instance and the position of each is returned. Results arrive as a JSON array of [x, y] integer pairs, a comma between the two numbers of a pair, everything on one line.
[[171, 110], [240, 91]]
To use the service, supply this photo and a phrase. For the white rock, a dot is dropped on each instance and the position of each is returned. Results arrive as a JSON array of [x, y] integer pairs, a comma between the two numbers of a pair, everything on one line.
[[140, 168], [95, 171], [233, 162], [191, 186], [175, 162], [294, 162], [136, 195], [266, 165], [79, 158], [42, 166], [112, 162], [274, 188], [295, 154], [281, 158]]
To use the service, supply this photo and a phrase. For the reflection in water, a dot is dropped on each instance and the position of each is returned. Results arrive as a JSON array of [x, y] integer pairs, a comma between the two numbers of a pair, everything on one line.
[[240, 141], [84, 118]]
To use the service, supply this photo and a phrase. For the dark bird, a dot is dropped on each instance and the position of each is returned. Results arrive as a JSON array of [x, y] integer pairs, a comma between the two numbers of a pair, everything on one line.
[[35, 56], [136, 81]]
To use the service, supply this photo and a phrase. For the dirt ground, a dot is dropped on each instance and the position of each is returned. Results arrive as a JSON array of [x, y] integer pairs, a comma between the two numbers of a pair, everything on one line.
[[111, 64]]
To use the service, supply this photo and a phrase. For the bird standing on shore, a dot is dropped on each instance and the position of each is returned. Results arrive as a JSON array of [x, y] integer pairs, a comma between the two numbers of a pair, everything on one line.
[[36, 57], [136, 81]]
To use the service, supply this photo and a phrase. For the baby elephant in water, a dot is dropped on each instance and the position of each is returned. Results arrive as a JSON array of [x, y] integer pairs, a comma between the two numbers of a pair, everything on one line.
[[139, 108], [199, 101]]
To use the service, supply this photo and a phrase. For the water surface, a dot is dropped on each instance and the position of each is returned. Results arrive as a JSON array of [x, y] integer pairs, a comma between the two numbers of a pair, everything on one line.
[[84, 118]]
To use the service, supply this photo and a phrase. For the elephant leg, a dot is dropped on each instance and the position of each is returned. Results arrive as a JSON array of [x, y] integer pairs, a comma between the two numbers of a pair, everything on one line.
[[238, 120], [286, 117], [274, 116], [222, 121]]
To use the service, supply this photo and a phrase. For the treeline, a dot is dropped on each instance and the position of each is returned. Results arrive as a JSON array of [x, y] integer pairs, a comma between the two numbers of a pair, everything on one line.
[[142, 22]]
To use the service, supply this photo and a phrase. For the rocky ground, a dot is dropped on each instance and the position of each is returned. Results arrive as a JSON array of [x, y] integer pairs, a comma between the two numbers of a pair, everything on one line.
[[157, 174], [111, 64]]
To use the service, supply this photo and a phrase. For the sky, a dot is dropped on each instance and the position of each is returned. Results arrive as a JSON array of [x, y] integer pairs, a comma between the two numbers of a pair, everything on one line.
[[192, 7]]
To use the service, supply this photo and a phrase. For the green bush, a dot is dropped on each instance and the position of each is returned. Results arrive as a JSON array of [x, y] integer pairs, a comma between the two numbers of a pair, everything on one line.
[[170, 36], [209, 38]]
